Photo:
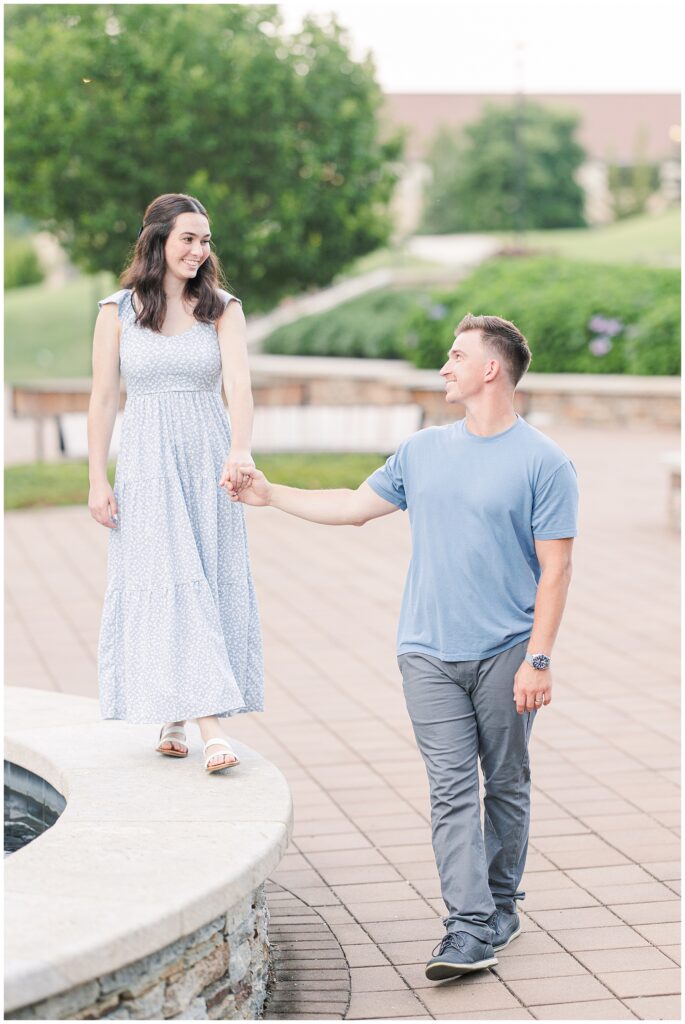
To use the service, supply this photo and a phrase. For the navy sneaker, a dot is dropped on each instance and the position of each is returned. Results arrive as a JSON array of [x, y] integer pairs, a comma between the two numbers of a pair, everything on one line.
[[506, 926], [459, 953]]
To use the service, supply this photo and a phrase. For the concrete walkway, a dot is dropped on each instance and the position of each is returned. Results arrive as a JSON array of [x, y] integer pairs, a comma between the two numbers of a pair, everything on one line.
[[601, 934]]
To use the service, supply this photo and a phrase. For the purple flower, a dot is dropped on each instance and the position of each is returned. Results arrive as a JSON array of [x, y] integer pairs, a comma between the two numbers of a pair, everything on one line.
[[600, 346], [604, 325]]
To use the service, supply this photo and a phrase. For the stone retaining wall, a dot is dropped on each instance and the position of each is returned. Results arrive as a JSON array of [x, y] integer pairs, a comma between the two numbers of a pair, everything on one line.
[[218, 972]]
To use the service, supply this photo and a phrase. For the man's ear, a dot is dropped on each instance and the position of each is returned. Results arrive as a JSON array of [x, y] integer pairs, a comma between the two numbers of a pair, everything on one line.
[[493, 370]]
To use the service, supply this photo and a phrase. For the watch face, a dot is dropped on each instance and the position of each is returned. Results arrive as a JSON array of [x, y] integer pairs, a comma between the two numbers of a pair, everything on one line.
[[540, 661]]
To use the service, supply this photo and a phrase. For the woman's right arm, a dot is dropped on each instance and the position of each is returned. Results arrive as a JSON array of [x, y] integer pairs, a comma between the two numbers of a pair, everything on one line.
[[102, 412]]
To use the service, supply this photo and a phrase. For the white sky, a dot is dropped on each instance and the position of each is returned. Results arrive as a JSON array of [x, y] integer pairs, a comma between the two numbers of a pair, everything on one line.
[[471, 45]]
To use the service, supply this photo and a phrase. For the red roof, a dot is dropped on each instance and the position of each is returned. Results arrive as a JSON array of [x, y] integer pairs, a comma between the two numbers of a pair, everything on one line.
[[610, 125]]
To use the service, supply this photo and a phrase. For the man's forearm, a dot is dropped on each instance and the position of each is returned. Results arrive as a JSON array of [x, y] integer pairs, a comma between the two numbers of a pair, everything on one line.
[[549, 608], [336, 507]]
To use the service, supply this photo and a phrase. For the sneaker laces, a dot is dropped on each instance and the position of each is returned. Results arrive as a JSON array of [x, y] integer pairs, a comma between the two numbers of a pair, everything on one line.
[[494, 920], [455, 939]]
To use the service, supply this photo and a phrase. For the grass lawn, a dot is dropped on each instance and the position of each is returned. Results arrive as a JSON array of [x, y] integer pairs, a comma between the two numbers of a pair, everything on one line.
[[649, 240], [49, 331], [43, 484], [385, 259]]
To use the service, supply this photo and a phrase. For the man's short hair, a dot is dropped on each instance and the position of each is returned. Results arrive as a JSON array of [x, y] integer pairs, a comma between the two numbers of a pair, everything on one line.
[[505, 338]]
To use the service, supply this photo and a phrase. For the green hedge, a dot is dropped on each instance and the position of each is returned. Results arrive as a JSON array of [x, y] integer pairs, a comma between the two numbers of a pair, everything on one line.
[[21, 263], [370, 326], [577, 317]]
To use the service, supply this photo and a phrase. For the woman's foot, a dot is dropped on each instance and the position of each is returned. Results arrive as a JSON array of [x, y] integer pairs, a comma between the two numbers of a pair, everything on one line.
[[175, 745], [210, 729], [214, 764]]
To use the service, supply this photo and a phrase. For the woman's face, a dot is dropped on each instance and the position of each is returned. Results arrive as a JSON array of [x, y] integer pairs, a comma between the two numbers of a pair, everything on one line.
[[187, 246]]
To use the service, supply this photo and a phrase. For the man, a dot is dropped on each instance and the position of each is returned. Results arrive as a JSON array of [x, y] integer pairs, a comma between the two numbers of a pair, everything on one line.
[[493, 505]]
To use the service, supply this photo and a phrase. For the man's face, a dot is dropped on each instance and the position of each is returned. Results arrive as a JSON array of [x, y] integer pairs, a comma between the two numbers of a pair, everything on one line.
[[466, 367]]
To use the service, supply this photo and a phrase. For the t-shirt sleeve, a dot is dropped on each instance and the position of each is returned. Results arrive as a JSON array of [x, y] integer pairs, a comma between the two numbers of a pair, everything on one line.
[[555, 505], [388, 480]]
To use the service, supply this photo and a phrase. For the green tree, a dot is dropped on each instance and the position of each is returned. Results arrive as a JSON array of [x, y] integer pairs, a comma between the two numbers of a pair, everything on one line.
[[644, 175], [621, 206], [512, 169], [631, 184], [108, 106]]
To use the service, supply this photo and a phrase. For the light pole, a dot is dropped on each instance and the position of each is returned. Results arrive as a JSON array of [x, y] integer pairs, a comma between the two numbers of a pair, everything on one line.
[[519, 147]]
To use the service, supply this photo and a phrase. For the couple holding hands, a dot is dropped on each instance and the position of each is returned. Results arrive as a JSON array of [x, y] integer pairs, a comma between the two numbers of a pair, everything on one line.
[[492, 503]]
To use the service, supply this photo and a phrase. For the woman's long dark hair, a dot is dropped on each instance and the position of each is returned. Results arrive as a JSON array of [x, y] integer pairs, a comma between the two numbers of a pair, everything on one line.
[[145, 272]]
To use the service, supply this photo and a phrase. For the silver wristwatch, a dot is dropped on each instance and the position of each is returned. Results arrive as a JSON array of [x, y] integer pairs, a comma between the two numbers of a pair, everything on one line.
[[538, 661]]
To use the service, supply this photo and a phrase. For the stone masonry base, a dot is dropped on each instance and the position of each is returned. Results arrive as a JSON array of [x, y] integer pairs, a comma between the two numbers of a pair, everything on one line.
[[218, 972]]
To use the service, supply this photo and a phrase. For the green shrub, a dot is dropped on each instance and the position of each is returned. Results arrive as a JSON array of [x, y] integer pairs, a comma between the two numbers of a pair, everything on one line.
[[577, 317], [367, 327], [21, 263]]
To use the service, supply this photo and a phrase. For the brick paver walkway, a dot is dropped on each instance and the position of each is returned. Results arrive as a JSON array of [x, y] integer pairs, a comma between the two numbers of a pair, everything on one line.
[[310, 973], [601, 915]]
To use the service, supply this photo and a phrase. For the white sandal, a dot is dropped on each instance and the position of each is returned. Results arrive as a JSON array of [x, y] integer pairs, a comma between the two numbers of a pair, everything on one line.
[[176, 733], [222, 764]]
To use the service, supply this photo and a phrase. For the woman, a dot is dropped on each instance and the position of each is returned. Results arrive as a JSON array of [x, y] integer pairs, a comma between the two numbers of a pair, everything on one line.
[[180, 636]]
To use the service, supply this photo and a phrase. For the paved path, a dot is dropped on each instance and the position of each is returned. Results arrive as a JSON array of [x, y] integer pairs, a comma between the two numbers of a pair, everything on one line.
[[462, 250], [601, 933]]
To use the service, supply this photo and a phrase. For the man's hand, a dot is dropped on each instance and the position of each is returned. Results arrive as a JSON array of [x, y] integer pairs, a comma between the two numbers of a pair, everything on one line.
[[529, 684], [256, 489]]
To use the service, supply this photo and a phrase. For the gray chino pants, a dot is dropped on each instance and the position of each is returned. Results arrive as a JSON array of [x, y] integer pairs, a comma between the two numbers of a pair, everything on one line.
[[462, 710]]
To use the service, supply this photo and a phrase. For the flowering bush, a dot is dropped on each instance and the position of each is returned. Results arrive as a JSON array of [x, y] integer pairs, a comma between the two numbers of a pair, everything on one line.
[[577, 317]]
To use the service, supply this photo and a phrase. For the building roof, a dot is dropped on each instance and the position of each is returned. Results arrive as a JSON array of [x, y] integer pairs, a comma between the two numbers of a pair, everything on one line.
[[610, 126]]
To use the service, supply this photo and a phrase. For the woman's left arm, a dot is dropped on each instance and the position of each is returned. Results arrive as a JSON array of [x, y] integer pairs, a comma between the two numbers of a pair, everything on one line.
[[235, 371]]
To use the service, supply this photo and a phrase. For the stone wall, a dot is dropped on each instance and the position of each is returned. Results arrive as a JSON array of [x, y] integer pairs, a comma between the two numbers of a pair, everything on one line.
[[634, 412], [218, 972]]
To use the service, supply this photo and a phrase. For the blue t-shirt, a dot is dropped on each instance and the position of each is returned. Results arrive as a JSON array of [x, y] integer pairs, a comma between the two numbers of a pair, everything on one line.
[[476, 506]]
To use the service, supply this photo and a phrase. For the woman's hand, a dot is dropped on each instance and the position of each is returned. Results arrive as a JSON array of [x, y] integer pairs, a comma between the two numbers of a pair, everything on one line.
[[102, 504], [233, 471]]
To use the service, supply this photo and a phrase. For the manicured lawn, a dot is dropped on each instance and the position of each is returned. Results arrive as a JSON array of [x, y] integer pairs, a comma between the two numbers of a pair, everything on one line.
[[66, 483], [47, 483], [385, 259], [49, 331], [651, 241]]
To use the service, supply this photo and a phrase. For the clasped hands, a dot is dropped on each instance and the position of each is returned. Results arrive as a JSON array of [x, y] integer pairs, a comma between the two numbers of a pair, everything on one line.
[[242, 481], [235, 473]]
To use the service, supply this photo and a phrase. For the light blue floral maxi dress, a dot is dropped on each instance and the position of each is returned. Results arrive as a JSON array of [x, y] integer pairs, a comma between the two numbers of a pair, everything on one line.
[[180, 635]]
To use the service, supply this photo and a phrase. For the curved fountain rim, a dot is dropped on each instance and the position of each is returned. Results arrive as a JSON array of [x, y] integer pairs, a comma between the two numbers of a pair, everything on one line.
[[146, 850]]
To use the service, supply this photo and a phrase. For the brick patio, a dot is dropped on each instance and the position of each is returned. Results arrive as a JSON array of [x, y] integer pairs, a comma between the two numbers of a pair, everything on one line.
[[602, 909]]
